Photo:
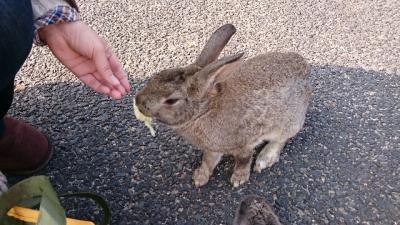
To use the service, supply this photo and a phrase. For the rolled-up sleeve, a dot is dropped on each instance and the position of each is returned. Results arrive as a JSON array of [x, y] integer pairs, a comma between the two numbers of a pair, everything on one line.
[[47, 12], [41, 7]]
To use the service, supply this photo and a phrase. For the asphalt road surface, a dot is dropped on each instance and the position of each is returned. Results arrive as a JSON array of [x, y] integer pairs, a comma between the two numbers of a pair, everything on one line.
[[342, 168]]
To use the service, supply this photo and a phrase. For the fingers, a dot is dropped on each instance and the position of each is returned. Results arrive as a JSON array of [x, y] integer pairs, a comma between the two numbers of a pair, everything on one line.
[[85, 70], [92, 82], [115, 92], [103, 66], [110, 70], [116, 66], [119, 72]]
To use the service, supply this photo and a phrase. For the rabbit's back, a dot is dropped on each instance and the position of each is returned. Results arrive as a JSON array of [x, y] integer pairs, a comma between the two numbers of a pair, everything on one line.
[[268, 92], [273, 70], [268, 83]]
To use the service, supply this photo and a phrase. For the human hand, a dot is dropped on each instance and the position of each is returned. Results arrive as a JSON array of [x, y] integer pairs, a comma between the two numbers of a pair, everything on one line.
[[87, 56]]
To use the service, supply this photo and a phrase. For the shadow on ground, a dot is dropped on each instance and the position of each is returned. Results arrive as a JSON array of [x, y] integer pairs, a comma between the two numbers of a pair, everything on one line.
[[341, 169]]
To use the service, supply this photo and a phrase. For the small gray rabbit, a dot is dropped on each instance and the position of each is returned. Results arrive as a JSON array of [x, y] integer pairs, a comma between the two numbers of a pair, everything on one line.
[[229, 106], [254, 210]]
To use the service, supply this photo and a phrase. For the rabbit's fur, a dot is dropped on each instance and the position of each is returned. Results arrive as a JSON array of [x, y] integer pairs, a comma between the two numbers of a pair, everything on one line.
[[229, 106], [254, 210]]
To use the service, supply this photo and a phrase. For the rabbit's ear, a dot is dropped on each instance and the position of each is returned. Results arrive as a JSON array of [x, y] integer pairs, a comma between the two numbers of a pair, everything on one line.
[[215, 44], [207, 80]]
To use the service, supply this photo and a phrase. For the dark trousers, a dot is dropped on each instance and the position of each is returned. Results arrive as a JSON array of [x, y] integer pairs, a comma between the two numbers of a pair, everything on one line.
[[16, 35]]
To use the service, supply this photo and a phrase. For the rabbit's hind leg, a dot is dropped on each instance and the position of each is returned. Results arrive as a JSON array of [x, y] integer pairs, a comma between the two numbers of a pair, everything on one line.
[[269, 155], [209, 162]]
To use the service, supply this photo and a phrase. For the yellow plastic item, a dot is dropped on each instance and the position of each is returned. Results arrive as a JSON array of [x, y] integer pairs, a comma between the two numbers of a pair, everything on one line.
[[31, 216], [147, 120]]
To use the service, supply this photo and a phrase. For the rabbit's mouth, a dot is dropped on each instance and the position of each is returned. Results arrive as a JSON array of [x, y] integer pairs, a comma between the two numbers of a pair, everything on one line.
[[169, 121], [144, 110], [164, 121]]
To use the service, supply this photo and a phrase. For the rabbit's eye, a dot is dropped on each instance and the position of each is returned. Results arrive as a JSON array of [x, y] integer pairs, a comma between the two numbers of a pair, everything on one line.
[[171, 101]]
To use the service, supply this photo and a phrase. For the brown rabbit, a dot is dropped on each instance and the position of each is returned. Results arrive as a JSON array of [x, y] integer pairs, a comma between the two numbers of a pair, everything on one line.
[[254, 210], [229, 106]]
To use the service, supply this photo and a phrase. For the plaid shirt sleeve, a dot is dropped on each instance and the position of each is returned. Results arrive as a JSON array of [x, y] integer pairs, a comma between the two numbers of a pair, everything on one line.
[[59, 14]]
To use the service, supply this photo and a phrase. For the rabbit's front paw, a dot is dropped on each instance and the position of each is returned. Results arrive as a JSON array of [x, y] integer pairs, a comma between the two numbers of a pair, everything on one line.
[[201, 176], [240, 177], [267, 161]]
